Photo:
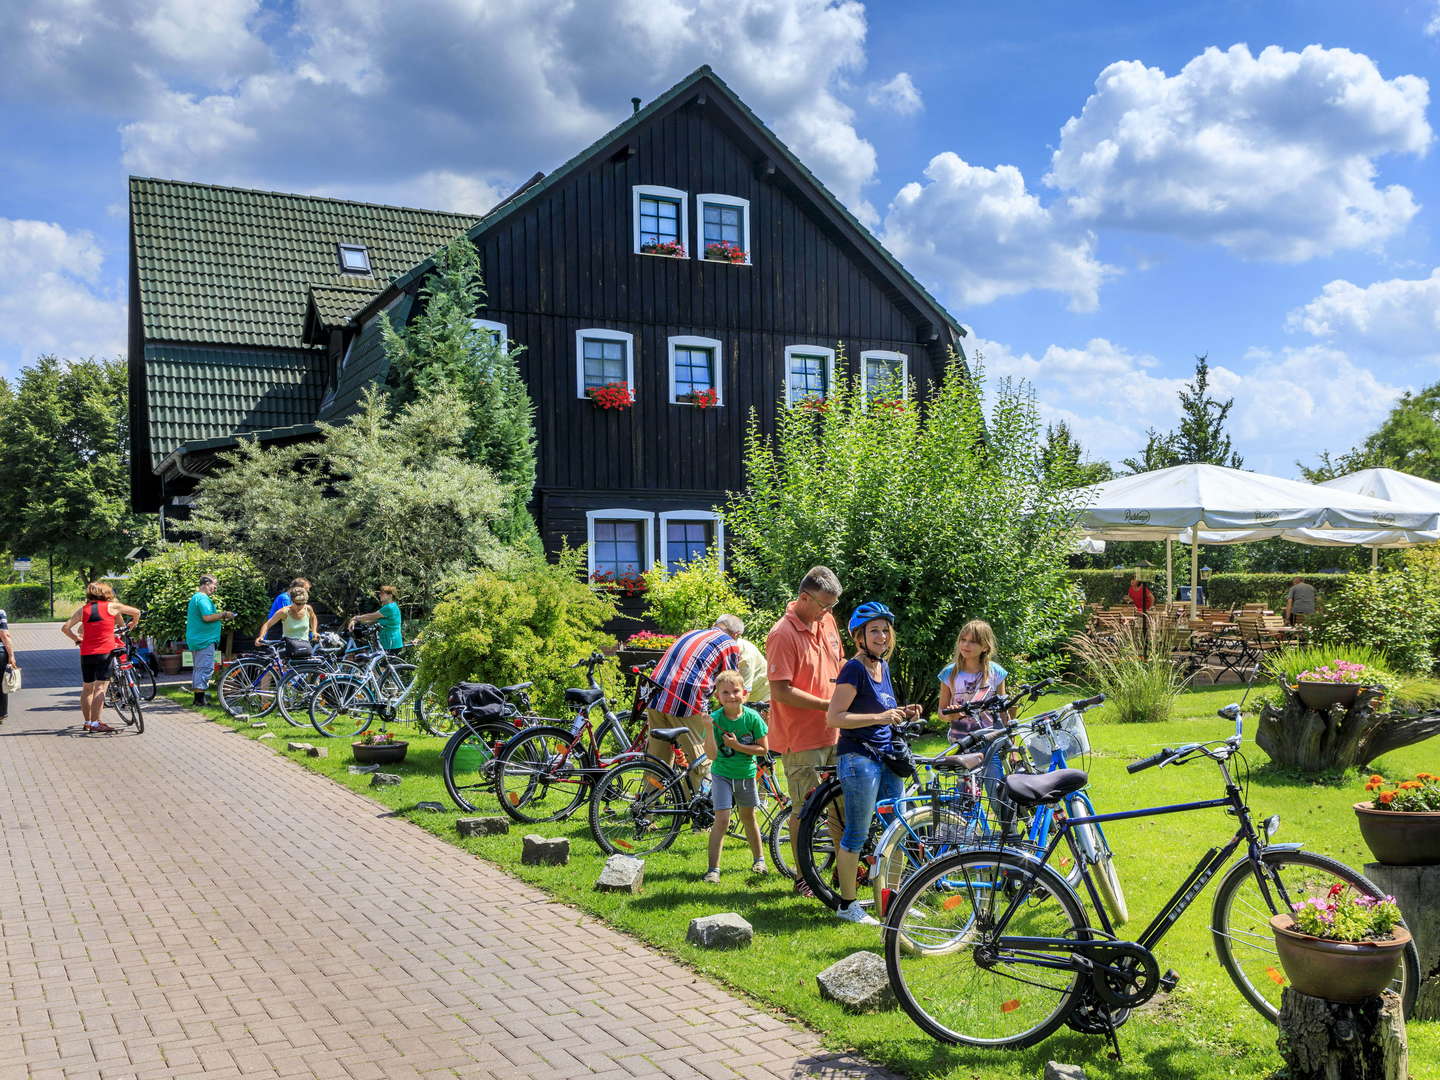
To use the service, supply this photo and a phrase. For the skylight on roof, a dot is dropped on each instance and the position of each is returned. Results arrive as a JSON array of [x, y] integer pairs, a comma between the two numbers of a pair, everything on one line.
[[354, 259]]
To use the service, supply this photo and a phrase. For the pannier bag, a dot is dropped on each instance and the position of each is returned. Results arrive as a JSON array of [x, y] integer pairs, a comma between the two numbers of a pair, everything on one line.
[[470, 696]]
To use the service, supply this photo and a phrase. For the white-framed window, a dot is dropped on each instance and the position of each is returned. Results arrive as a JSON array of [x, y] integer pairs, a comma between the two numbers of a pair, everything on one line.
[[809, 372], [619, 541], [884, 371], [689, 534], [602, 357], [498, 331], [354, 259], [695, 366], [724, 219], [661, 216]]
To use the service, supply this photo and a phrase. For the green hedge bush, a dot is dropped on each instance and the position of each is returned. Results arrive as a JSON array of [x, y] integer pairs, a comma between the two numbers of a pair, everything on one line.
[[25, 601], [162, 585], [693, 597], [1232, 590], [1104, 588], [1397, 612]]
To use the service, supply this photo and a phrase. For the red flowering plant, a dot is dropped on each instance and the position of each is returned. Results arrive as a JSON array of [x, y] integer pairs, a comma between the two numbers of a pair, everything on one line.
[[649, 639], [615, 395], [1420, 795], [702, 399], [1340, 915], [628, 582], [672, 248], [724, 251], [813, 403]]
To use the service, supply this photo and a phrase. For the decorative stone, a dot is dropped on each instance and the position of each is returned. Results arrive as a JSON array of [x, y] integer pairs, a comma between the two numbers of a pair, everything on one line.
[[1323, 1040], [260, 724], [431, 807], [359, 770], [299, 746], [725, 931], [1054, 1070], [267, 735], [384, 779], [543, 851], [858, 982], [482, 826], [317, 751], [622, 873]]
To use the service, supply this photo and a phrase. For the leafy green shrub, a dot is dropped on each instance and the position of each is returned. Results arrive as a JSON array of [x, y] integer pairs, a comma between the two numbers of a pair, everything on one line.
[[1233, 590], [162, 585], [1415, 694], [694, 596], [527, 620], [1397, 612], [25, 601], [1132, 668], [1103, 587]]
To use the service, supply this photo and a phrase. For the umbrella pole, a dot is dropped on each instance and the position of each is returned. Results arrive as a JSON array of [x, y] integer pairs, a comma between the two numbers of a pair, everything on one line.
[[1374, 559], [1195, 571], [1169, 569]]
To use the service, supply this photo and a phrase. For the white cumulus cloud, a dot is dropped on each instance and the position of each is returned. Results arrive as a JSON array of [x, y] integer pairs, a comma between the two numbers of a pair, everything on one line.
[[899, 95], [1273, 156], [1398, 318], [982, 235]]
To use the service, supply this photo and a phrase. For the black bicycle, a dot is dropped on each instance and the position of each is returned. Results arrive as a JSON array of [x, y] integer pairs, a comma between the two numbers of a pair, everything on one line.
[[990, 947]]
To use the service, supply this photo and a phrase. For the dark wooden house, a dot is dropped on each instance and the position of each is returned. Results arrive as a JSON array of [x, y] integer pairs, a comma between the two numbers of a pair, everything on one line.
[[582, 269]]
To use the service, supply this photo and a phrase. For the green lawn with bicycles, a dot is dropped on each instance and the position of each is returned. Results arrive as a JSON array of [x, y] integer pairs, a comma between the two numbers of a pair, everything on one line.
[[1204, 1029]]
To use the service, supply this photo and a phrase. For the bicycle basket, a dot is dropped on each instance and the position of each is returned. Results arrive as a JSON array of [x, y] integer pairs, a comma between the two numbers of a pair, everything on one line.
[[1068, 735], [971, 810]]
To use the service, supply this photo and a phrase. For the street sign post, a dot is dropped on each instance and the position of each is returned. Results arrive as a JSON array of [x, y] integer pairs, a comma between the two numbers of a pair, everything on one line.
[[22, 566]]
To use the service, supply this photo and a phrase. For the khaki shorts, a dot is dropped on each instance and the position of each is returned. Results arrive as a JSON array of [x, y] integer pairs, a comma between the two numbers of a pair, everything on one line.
[[802, 772], [692, 743]]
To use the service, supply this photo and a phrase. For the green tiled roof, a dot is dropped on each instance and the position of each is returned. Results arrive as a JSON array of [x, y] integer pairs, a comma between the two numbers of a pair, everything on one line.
[[334, 304], [196, 394], [365, 365], [226, 266]]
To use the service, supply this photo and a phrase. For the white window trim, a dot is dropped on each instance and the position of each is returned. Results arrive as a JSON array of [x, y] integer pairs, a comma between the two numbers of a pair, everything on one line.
[[667, 516], [647, 548], [809, 350], [685, 341], [722, 200], [499, 327], [885, 354], [603, 335], [683, 198]]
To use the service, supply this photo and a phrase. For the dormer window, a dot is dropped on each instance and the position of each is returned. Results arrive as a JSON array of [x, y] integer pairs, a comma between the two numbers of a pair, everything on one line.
[[355, 259]]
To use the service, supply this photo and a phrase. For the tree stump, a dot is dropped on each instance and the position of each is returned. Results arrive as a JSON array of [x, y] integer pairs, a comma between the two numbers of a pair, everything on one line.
[[1415, 889], [1330, 740], [1324, 1040]]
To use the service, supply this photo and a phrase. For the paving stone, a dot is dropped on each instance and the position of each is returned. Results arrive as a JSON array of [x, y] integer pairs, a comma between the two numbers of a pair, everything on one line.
[[544, 851], [724, 931], [482, 826], [1054, 1070], [859, 982], [317, 751], [622, 873], [385, 779]]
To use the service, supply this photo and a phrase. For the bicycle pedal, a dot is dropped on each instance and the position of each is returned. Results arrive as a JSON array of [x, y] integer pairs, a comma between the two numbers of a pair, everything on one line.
[[1169, 980]]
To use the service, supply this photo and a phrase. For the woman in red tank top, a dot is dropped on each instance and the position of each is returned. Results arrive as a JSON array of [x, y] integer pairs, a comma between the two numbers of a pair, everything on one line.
[[96, 619]]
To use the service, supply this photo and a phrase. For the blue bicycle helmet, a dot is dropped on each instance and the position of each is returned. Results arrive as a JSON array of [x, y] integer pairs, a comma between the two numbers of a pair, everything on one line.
[[871, 609]]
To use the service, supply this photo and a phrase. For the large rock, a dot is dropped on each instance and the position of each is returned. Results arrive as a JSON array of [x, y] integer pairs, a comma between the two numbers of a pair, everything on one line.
[[384, 779], [482, 826], [1054, 1070], [858, 982], [317, 751], [359, 770], [724, 931], [431, 807], [622, 873], [300, 747], [544, 851]]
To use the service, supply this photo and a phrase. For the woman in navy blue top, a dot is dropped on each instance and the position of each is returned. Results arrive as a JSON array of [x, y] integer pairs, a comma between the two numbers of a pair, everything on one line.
[[864, 707]]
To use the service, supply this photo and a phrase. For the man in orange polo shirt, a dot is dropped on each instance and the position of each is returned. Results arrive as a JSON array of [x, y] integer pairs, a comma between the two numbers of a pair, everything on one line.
[[802, 657]]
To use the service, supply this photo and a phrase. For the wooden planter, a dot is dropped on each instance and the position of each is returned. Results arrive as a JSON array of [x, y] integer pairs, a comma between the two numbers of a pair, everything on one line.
[[1399, 837], [1341, 971], [383, 754], [1326, 695]]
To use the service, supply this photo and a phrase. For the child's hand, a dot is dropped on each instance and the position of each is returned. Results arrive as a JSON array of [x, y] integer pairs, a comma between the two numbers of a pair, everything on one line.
[[731, 741]]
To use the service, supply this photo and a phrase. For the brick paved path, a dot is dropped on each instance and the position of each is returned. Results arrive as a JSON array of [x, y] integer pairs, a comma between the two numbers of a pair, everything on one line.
[[140, 882]]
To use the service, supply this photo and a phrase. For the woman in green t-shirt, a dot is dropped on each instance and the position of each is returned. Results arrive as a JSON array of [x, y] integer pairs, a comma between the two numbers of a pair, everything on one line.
[[737, 736], [388, 617]]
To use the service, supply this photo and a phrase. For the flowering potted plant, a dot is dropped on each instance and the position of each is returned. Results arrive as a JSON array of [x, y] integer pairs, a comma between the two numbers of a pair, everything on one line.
[[1335, 683], [673, 248], [1340, 946], [379, 748], [702, 399], [614, 395], [643, 649], [724, 251], [628, 582], [1401, 823]]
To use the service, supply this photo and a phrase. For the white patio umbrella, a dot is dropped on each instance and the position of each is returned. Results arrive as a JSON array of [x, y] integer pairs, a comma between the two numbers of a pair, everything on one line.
[[1164, 503]]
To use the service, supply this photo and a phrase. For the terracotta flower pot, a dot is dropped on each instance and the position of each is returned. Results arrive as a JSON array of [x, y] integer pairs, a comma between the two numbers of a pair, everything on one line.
[[169, 663], [1337, 970], [1325, 695], [383, 754], [1399, 837]]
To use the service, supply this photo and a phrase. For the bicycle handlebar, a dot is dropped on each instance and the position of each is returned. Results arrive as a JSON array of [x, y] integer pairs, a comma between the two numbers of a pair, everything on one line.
[[1185, 753], [1149, 762]]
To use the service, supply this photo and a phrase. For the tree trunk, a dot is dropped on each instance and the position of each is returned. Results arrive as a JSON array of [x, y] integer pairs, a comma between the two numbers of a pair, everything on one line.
[[1324, 1040], [1415, 889], [1329, 740]]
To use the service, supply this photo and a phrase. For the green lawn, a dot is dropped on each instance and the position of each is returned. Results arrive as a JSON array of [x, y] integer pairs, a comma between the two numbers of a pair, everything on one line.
[[1203, 1030]]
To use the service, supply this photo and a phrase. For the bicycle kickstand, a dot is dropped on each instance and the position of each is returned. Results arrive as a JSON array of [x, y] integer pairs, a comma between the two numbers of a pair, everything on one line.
[[1110, 1033]]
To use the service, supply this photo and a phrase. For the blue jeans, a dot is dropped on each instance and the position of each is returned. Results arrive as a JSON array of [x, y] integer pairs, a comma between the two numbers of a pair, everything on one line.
[[204, 660], [865, 782]]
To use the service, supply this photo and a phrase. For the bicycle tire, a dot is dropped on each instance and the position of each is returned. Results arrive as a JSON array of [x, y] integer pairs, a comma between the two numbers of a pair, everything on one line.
[[620, 820], [777, 839], [1091, 845], [137, 707], [1242, 915], [937, 923], [240, 691], [144, 682], [343, 706], [539, 776], [466, 785], [292, 696], [815, 848], [433, 714]]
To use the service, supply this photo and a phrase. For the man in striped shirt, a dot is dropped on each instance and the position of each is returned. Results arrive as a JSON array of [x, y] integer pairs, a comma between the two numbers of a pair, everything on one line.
[[686, 673]]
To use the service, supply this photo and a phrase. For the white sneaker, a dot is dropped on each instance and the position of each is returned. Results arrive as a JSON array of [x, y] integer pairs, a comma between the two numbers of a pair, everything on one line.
[[853, 912]]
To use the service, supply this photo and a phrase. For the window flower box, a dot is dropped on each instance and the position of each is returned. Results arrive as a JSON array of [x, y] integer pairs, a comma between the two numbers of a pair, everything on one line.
[[701, 399], [629, 583], [671, 248], [611, 396], [724, 251]]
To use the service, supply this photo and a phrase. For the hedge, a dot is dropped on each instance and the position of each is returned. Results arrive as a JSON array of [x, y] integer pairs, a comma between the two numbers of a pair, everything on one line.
[[1222, 590], [25, 601], [1102, 586]]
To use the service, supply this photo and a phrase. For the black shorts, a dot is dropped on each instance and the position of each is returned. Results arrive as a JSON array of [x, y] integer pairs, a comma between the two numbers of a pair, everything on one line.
[[95, 668]]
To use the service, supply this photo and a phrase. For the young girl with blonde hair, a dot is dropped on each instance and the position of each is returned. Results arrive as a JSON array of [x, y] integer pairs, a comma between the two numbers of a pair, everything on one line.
[[972, 675]]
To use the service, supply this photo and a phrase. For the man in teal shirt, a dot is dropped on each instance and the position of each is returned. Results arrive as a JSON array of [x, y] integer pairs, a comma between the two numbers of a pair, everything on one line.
[[203, 627], [388, 617]]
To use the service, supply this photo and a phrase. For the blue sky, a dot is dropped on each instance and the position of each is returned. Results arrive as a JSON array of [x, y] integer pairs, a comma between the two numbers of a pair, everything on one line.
[[1100, 191]]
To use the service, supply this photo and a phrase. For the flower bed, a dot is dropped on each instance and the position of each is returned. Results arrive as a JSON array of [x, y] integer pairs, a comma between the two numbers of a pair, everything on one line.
[[648, 639]]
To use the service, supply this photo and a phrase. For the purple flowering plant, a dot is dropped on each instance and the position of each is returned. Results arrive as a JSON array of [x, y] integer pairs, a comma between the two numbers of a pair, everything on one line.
[[1341, 671], [1341, 915]]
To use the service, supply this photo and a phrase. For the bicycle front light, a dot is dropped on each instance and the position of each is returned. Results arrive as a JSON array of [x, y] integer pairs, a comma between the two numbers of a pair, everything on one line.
[[1272, 825]]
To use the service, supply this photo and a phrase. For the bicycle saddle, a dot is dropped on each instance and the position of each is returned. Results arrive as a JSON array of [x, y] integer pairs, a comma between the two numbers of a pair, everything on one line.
[[1044, 787], [953, 762], [583, 697], [669, 734]]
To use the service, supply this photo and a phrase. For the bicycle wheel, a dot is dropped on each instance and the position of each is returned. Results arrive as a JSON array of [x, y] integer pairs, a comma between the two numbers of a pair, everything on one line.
[[292, 696], [343, 706], [777, 838], [635, 809], [1094, 851], [816, 846], [1240, 922], [540, 777], [432, 713], [952, 972], [468, 763], [610, 739], [247, 689], [137, 707], [145, 682]]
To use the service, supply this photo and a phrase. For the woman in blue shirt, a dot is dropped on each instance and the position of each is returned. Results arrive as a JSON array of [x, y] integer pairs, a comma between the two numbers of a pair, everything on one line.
[[864, 707]]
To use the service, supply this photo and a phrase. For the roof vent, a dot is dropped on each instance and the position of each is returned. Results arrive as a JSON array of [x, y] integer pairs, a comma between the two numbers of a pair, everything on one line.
[[355, 259], [634, 104]]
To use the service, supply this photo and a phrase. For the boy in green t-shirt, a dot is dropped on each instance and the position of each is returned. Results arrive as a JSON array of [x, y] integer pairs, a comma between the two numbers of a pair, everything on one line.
[[736, 737]]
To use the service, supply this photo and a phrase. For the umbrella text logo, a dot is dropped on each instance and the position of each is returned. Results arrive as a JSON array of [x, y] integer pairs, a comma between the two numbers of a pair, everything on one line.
[[1138, 517], [1385, 519], [1266, 516]]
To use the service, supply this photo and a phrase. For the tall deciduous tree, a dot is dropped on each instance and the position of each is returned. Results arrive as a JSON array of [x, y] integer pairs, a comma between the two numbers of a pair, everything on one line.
[[63, 439], [443, 348], [1064, 458], [1408, 439]]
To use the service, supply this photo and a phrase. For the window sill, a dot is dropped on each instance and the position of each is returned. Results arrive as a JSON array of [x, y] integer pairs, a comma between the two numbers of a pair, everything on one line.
[[659, 255], [726, 262]]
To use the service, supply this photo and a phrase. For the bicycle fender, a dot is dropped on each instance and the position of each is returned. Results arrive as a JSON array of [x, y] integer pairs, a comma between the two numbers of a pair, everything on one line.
[[1280, 847]]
